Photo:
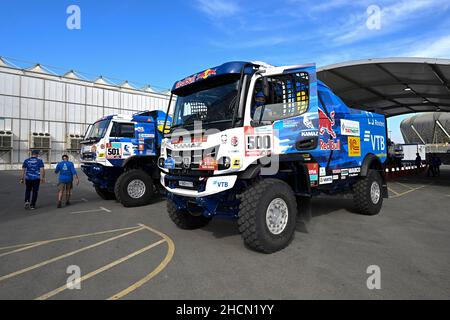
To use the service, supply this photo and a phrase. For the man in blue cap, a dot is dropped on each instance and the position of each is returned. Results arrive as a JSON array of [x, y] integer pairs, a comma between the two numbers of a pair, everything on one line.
[[33, 173], [66, 170]]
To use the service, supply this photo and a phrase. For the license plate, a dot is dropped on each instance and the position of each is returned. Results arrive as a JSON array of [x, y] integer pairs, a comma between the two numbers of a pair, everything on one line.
[[188, 184]]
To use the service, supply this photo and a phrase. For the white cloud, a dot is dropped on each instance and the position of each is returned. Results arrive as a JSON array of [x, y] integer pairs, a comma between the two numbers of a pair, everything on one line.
[[394, 16], [218, 8], [437, 48]]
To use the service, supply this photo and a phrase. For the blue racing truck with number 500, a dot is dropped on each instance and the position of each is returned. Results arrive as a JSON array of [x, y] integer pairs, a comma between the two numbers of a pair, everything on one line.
[[255, 142], [119, 155]]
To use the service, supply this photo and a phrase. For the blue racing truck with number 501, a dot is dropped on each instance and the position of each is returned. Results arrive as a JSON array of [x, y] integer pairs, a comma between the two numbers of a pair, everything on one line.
[[255, 142], [119, 155]]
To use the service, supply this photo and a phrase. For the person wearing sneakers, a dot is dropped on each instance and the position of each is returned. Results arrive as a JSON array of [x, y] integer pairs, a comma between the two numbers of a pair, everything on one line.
[[33, 173], [66, 170]]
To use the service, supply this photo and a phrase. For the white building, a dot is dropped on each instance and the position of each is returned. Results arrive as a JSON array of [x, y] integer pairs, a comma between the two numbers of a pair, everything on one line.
[[40, 110]]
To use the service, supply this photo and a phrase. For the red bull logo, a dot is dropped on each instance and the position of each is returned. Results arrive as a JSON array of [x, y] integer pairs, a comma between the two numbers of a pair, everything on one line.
[[206, 74], [326, 124]]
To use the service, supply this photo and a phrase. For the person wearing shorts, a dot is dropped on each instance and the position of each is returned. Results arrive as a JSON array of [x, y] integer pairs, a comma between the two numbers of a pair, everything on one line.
[[66, 171]]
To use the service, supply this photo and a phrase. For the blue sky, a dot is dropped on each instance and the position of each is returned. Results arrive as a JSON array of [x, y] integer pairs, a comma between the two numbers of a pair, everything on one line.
[[158, 42]]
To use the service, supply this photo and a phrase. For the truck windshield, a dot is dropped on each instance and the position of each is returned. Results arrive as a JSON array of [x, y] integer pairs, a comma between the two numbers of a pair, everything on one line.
[[97, 130], [211, 105]]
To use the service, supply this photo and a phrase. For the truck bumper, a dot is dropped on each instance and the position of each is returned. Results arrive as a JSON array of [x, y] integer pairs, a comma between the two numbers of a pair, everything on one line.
[[101, 176], [197, 187]]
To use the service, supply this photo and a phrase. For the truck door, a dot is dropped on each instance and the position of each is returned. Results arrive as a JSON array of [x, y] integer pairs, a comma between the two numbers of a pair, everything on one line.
[[145, 138], [292, 106]]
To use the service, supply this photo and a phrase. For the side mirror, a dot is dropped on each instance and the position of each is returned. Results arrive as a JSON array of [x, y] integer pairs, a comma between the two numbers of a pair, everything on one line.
[[265, 86]]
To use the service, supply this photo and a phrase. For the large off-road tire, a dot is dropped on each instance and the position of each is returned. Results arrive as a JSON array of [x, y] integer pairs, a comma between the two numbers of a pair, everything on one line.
[[105, 194], [184, 219], [134, 188], [367, 194], [267, 215]]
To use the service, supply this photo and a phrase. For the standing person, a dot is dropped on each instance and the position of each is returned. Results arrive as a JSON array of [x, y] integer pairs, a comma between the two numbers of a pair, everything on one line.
[[431, 168], [418, 161], [33, 173], [66, 170], [437, 165]]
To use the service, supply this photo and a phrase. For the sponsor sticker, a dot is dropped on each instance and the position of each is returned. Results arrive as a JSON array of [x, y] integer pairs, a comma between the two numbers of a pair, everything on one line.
[[330, 144], [258, 141], [208, 163], [322, 171], [169, 163], [220, 184], [309, 133], [313, 170], [354, 147], [236, 163], [350, 128], [354, 170], [114, 150], [336, 177], [326, 180]]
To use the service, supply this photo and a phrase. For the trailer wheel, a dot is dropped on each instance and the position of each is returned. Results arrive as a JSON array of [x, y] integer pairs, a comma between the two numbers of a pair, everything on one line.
[[134, 188], [105, 194], [367, 194], [267, 215], [184, 219]]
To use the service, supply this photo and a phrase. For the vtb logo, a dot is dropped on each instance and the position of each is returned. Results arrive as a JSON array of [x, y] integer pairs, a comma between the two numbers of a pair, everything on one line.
[[378, 142], [326, 124], [221, 184]]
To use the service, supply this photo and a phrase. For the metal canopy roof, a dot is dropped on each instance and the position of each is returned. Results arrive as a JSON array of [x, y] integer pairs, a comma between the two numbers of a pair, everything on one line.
[[392, 86]]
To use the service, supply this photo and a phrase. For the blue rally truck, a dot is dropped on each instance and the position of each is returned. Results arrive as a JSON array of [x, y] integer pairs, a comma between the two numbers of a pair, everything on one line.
[[255, 142], [119, 155]]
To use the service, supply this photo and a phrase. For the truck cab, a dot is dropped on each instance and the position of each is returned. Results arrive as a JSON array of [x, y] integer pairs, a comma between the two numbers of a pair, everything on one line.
[[119, 154], [251, 141]]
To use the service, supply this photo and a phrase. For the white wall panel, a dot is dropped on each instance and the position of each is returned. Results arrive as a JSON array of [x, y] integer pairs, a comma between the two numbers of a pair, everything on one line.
[[112, 98], [15, 128], [94, 114], [38, 126], [9, 84], [32, 87], [57, 131], [76, 93], [24, 129], [54, 111], [94, 96], [76, 113], [54, 90], [9, 107], [32, 109]]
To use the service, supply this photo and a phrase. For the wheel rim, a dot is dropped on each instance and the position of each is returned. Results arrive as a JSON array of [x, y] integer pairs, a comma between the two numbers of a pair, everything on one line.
[[136, 189], [375, 192], [277, 216]]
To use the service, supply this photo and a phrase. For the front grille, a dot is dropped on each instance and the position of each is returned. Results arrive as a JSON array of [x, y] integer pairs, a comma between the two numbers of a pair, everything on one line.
[[88, 156], [194, 157]]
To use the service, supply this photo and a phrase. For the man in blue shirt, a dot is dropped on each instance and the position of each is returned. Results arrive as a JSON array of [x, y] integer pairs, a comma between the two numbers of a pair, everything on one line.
[[66, 171], [33, 173]]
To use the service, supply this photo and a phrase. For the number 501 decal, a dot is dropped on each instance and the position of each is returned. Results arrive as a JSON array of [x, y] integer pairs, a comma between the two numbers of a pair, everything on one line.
[[258, 141]]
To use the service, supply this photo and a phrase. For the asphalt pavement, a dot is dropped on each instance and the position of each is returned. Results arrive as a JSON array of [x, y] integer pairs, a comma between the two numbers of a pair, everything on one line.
[[138, 253]]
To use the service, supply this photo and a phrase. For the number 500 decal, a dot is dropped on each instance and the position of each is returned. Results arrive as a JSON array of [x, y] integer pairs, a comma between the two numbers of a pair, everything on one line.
[[258, 143]]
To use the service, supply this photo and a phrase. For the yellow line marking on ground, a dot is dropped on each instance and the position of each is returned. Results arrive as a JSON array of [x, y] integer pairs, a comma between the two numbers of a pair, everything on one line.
[[21, 249], [66, 238], [393, 191], [159, 268], [43, 263], [404, 185], [100, 270], [406, 192]]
